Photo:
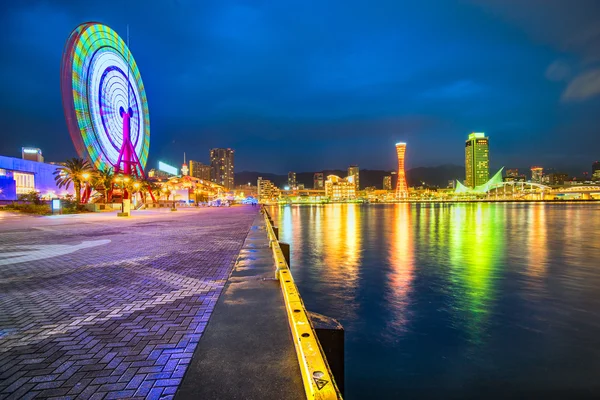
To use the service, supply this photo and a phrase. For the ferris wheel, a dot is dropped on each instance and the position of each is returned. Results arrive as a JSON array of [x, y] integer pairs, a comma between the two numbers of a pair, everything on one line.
[[104, 100]]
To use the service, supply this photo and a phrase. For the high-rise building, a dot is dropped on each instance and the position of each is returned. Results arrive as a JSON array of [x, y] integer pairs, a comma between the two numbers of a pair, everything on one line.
[[353, 171], [318, 181], [31, 154], [401, 185], [221, 163], [292, 180], [536, 174], [199, 170], [337, 188], [596, 171], [477, 160], [557, 178], [387, 182]]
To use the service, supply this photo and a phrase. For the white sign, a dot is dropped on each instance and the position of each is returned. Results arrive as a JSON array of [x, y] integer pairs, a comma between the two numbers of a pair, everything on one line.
[[167, 168]]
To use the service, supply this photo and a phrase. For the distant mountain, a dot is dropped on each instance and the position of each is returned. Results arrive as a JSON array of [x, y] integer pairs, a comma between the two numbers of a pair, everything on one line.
[[435, 176], [430, 176]]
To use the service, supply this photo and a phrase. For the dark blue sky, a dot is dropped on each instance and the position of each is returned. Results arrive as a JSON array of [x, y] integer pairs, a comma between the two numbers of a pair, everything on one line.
[[309, 85]]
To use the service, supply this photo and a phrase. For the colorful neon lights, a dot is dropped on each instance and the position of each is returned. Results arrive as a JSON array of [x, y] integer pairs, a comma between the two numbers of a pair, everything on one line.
[[99, 76], [401, 186]]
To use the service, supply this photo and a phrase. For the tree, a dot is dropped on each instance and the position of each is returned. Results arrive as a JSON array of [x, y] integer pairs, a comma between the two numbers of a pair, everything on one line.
[[103, 182], [74, 171], [31, 197]]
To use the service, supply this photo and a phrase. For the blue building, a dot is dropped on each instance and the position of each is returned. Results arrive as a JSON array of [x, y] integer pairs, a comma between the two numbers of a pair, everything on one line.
[[19, 176]]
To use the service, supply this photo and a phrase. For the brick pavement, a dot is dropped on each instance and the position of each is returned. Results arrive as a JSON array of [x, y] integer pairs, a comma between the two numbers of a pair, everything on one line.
[[105, 308]]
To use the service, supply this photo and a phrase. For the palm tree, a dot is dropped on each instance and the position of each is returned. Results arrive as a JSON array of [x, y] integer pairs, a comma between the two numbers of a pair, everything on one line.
[[75, 171], [104, 182], [146, 187]]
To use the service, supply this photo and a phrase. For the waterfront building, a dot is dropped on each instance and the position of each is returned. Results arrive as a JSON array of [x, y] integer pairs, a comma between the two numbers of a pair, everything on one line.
[[267, 191], [199, 170], [557, 178], [20, 176], [596, 171], [387, 182], [292, 180], [512, 173], [354, 171], [514, 178], [401, 185], [32, 154], [480, 189], [318, 181], [337, 188], [537, 174], [477, 160], [221, 164]]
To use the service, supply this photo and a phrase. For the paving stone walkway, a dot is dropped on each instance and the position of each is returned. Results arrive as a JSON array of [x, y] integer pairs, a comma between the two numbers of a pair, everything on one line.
[[96, 307]]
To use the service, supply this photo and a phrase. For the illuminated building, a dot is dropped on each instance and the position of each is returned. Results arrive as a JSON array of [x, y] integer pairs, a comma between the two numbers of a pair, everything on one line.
[[337, 188], [31, 154], [19, 176], [267, 191], [401, 186], [318, 181], [596, 171], [158, 174], [477, 160], [512, 173], [292, 180], [353, 171], [199, 170], [557, 178], [536, 174], [484, 188], [387, 182], [221, 163]]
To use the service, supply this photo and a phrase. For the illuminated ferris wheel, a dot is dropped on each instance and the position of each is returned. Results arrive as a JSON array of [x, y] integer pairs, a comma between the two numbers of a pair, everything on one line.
[[104, 100]]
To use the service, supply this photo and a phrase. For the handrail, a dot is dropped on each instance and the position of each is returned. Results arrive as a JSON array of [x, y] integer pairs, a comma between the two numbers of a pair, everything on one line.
[[316, 374]]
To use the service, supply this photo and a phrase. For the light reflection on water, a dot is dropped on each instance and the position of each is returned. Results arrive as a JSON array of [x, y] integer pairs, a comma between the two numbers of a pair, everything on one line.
[[455, 300]]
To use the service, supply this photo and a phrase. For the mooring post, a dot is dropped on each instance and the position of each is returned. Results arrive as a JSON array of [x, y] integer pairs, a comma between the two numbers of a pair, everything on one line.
[[285, 249], [331, 337]]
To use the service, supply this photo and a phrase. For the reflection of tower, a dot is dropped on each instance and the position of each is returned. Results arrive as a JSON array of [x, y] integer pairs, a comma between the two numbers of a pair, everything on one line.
[[401, 186]]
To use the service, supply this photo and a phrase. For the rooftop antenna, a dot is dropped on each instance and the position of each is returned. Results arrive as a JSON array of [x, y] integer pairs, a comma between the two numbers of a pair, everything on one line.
[[184, 157]]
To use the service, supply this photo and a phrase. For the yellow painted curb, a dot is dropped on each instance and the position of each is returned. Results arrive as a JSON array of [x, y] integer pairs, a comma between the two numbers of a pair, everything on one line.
[[316, 375]]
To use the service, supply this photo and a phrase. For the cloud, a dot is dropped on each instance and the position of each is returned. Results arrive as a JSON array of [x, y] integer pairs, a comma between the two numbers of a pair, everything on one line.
[[583, 87], [558, 71]]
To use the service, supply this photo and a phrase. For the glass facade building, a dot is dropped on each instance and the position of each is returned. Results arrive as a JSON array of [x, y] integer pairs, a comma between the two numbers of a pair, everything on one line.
[[477, 160]]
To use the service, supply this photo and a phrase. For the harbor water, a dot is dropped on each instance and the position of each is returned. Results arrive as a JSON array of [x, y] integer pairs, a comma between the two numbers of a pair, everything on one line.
[[465, 300]]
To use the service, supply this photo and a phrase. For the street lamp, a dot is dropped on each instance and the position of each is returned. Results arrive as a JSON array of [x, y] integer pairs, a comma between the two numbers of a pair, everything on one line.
[[172, 190]]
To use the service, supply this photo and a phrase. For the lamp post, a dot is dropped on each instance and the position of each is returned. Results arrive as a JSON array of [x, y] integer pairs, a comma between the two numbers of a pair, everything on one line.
[[136, 189], [172, 188]]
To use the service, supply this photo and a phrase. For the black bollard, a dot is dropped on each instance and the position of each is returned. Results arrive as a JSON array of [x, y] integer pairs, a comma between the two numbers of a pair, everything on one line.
[[331, 337], [285, 249]]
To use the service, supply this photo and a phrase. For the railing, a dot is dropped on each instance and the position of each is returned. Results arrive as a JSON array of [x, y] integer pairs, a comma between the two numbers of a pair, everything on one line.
[[318, 380]]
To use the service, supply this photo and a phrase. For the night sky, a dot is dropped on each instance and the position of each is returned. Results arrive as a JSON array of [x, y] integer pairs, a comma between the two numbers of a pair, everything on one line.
[[311, 85]]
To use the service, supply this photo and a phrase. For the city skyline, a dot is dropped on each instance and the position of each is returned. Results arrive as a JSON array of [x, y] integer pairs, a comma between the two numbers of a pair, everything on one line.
[[291, 92]]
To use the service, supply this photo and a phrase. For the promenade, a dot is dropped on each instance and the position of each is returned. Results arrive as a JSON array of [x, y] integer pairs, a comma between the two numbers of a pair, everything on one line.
[[98, 307]]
